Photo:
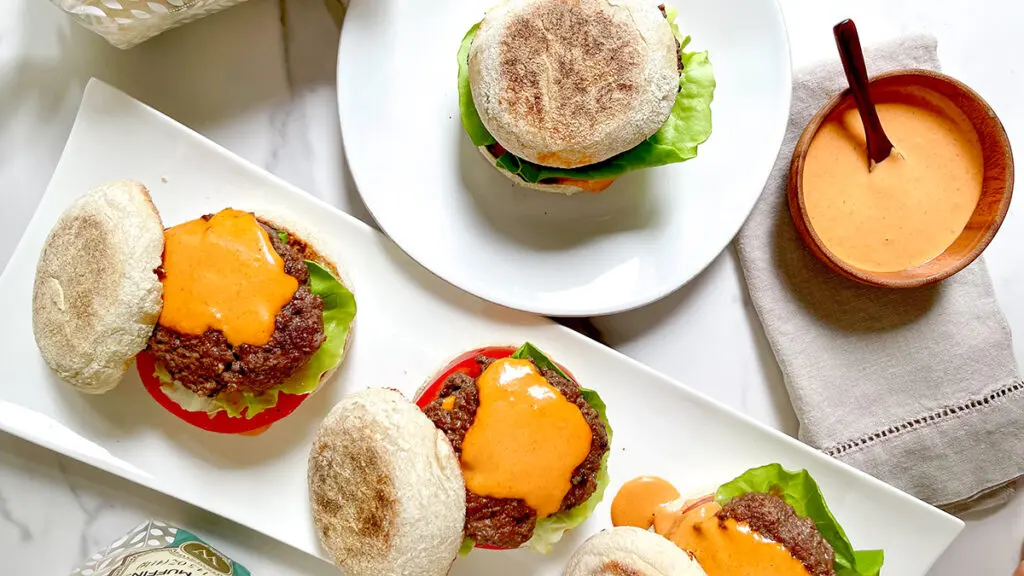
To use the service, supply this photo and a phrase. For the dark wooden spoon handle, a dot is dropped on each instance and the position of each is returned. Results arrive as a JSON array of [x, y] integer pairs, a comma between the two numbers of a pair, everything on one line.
[[848, 42]]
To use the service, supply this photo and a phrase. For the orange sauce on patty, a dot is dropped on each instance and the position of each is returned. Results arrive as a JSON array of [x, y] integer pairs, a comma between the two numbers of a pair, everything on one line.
[[224, 274], [729, 548], [526, 439]]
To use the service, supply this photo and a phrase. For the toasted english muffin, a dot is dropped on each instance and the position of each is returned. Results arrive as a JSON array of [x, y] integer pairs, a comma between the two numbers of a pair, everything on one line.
[[386, 489], [568, 84], [632, 551], [96, 296]]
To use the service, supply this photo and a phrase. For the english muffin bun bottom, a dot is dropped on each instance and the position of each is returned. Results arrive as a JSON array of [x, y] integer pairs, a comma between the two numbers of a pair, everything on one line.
[[386, 488], [628, 550], [554, 188], [305, 235], [96, 296], [614, 82]]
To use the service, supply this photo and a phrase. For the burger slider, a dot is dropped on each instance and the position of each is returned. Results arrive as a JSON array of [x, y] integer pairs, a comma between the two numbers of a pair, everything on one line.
[[766, 522], [232, 318], [532, 445], [566, 96]]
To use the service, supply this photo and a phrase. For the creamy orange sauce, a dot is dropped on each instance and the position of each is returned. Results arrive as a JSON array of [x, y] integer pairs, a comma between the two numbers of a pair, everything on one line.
[[594, 186], [669, 516], [909, 208], [636, 501], [526, 438], [223, 274], [729, 548], [722, 548]]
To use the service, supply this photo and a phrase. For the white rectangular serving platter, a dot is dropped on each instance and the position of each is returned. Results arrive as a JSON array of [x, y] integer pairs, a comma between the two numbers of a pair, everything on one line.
[[409, 324]]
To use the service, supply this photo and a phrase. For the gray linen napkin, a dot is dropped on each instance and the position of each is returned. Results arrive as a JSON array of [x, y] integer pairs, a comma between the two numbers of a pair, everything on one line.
[[918, 388]]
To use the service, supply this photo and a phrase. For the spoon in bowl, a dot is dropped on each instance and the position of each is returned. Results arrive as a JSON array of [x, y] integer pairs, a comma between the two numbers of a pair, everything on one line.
[[848, 42]]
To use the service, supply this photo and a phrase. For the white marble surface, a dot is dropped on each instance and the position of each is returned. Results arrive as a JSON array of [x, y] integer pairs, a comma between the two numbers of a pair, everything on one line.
[[259, 80]]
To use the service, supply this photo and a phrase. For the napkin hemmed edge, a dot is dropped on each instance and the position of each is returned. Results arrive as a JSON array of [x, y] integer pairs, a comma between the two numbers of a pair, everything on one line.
[[1007, 392], [990, 498], [958, 442]]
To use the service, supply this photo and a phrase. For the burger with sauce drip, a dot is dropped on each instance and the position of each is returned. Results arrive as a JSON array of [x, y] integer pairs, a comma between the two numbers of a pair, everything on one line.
[[503, 449], [502, 410], [568, 95], [233, 320], [768, 521]]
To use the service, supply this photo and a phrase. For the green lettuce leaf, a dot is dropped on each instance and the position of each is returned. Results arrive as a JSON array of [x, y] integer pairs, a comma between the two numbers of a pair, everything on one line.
[[801, 492], [688, 125], [470, 117], [467, 546], [339, 312], [530, 352], [550, 530]]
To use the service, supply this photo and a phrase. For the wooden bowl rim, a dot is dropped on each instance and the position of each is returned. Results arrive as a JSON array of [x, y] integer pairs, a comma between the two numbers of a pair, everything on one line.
[[799, 212]]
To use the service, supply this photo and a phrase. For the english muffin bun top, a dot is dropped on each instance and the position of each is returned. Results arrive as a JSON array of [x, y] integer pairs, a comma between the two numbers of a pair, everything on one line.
[[97, 297], [628, 550], [386, 488], [567, 83]]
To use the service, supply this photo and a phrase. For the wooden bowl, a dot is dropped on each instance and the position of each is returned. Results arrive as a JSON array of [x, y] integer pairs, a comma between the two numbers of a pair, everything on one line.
[[997, 182]]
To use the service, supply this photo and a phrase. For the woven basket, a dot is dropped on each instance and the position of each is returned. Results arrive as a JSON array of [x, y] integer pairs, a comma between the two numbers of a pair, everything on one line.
[[126, 23]]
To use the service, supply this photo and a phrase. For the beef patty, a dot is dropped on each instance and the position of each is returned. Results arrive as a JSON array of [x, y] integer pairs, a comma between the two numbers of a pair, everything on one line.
[[679, 47], [509, 522], [207, 364], [771, 516]]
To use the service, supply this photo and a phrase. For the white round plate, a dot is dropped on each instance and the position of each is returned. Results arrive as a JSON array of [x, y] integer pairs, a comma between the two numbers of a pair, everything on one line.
[[581, 255]]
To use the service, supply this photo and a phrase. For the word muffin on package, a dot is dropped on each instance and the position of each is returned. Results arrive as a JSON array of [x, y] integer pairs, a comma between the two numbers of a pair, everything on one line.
[[155, 547]]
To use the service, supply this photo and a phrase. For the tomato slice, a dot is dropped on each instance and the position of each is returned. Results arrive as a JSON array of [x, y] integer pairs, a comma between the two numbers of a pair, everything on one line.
[[219, 422], [466, 363]]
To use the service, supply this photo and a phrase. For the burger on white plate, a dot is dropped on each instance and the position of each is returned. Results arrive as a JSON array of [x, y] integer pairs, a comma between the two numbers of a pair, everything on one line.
[[568, 95]]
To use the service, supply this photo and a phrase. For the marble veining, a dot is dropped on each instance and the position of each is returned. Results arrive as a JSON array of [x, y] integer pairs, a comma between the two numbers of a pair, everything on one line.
[[91, 509], [259, 79], [24, 532]]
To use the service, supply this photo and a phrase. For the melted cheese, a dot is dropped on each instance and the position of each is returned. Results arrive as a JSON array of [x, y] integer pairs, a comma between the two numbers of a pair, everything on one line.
[[223, 274], [526, 438]]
